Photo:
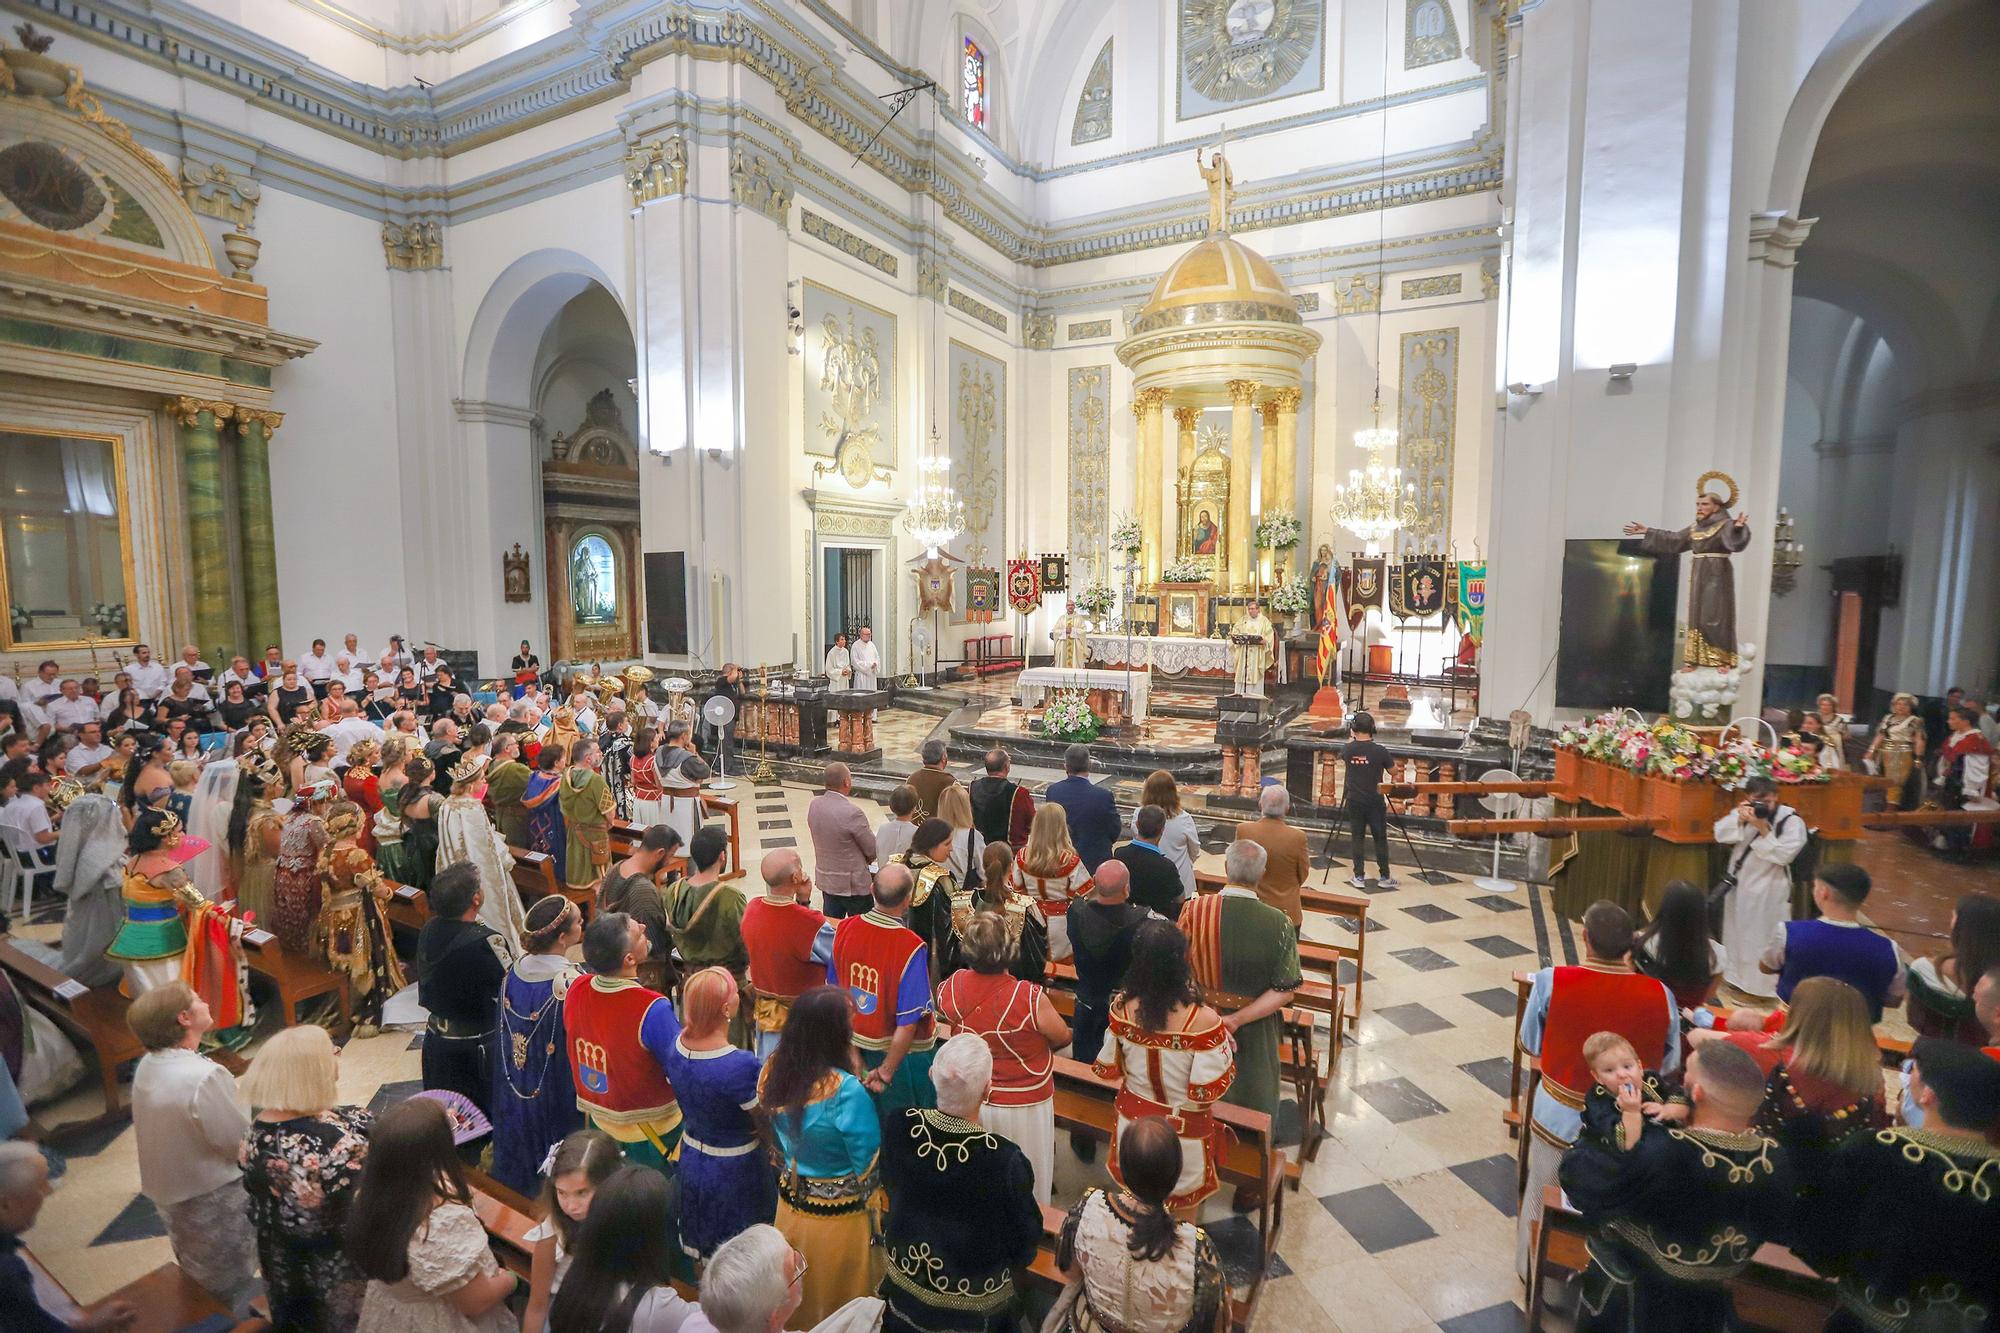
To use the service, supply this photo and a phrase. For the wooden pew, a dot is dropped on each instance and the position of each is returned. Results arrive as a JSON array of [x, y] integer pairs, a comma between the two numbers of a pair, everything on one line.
[[1778, 1290], [625, 834], [1084, 1105], [162, 1301], [296, 978], [93, 1014], [508, 1217], [1342, 905]]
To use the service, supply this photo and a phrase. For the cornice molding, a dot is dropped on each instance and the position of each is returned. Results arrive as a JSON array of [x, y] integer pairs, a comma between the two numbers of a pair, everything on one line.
[[1775, 238], [182, 326], [475, 411]]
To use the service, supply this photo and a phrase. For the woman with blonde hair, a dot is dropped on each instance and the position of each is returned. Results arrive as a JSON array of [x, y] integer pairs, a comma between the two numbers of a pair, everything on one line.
[[1050, 872], [968, 847], [1899, 747], [1824, 1072], [301, 1165], [725, 1180], [1181, 841]]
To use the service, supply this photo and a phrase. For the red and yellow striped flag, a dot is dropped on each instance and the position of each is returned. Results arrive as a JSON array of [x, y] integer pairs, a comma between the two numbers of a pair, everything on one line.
[[1329, 619]]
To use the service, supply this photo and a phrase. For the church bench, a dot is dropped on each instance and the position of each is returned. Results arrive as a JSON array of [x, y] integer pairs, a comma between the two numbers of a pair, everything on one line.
[[96, 1014], [297, 978], [1084, 1105], [1778, 1290], [409, 906], [508, 1217], [1044, 1273], [625, 834], [162, 1301]]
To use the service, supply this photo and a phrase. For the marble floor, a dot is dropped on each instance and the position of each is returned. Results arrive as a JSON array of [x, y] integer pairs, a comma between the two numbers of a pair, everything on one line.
[[1404, 1221]]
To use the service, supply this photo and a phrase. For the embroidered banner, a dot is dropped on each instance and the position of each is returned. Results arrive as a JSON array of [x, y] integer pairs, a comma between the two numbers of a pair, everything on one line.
[[1472, 599], [1423, 586], [982, 595], [1370, 586], [1451, 592], [1024, 585]]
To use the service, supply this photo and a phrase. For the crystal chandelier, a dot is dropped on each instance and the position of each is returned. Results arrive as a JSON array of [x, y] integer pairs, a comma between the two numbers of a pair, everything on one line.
[[1787, 554], [934, 516], [1375, 501]]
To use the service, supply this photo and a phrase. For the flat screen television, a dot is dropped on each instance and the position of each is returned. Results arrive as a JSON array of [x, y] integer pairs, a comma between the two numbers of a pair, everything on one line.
[[1615, 647]]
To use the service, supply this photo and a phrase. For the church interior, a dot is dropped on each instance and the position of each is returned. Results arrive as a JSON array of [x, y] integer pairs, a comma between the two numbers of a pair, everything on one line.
[[1544, 425]]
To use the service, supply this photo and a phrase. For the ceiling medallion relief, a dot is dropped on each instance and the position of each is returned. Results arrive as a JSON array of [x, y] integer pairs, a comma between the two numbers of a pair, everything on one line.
[[1235, 51]]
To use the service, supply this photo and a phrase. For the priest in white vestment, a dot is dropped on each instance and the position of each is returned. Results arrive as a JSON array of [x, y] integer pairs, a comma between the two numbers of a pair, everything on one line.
[[1763, 838], [1068, 637], [867, 661], [1253, 659]]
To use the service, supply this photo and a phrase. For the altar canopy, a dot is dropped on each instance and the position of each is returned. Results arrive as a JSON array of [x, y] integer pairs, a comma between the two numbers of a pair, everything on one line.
[[1220, 330]]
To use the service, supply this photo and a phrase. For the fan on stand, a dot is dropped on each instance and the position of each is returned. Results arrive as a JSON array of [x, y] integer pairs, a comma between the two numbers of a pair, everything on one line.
[[1501, 805], [719, 712]]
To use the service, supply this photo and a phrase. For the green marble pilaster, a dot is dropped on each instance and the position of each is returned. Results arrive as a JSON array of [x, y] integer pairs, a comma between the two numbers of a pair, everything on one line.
[[208, 554], [259, 538]]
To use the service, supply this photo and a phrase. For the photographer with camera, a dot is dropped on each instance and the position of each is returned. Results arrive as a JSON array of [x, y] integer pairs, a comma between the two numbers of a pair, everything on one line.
[[1756, 891]]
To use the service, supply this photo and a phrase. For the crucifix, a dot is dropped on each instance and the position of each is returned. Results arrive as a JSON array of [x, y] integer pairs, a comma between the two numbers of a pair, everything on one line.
[[1221, 183]]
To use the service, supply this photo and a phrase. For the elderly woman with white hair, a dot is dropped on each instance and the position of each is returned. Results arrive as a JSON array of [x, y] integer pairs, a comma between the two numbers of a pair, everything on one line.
[[754, 1283], [962, 1210]]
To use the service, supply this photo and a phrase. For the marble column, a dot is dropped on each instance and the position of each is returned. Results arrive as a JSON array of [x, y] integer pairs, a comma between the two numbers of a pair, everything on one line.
[[201, 421], [1242, 547], [258, 536], [1282, 483], [1268, 501], [1146, 407]]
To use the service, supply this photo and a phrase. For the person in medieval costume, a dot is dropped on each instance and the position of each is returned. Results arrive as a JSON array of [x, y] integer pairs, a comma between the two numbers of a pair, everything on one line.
[[1069, 635], [466, 833], [256, 825], [1252, 660], [867, 661], [295, 883], [534, 1101], [586, 811], [1712, 538], [90, 865], [172, 933], [352, 934], [614, 742], [208, 819], [839, 665]]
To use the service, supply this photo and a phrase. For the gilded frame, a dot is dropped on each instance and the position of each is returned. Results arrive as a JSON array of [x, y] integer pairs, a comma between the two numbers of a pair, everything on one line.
[[131, 638]]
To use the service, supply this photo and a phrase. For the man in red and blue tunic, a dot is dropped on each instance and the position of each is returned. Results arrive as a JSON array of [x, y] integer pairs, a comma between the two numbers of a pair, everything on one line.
[[619, 1036], [1565, 1006], [885, 969]]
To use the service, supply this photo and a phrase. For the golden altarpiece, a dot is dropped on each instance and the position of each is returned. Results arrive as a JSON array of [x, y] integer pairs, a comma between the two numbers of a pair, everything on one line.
[[590, 526], [136, 411], [1220, 330]]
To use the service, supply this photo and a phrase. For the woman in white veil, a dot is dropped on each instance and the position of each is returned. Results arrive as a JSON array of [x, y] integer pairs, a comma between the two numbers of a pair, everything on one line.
[[208, 820], [466, 833], [90, 867]]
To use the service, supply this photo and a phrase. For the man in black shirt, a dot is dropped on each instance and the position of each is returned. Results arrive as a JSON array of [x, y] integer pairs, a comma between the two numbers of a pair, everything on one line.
[[1366, 810], [460, 965], [1100, 937], [1156, 881]]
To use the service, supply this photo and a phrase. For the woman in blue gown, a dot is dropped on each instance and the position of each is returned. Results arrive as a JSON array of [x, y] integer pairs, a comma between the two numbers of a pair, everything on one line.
[[726, 1179], [534, 1101]]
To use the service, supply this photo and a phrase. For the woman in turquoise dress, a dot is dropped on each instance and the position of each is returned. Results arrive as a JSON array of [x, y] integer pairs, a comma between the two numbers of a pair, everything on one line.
[[539, 799], [830, 1200]]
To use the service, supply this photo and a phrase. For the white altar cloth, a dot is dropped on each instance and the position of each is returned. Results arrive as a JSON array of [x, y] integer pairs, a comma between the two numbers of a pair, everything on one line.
[[1136, 686], [1169, 653]]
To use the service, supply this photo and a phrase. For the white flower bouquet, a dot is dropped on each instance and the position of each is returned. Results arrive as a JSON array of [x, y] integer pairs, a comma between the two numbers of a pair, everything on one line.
[[1068, 717]]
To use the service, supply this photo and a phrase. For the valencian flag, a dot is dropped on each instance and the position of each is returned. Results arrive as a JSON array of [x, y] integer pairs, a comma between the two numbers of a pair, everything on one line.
[[1370, 586], [982, 595], [1329, 622], [1423, 586], [1472, 599]]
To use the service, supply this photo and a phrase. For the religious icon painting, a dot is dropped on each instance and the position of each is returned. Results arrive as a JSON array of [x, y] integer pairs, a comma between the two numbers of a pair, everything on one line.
[[1423, 586], [1024, 585], [982, 595], [1055, 573]]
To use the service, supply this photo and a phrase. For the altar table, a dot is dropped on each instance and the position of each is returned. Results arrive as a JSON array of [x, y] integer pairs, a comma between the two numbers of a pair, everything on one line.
[[1135, 686], [1173, 654]]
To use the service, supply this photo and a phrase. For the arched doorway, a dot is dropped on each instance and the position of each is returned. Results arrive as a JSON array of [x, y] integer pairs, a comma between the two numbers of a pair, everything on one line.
[[1889, 468]]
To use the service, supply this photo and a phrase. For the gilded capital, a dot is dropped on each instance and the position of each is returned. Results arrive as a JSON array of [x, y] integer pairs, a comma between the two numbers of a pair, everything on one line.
[[187, 411], [1242, 393], [269, 420], [1148, 401], [1287, 400], [1187, 418]]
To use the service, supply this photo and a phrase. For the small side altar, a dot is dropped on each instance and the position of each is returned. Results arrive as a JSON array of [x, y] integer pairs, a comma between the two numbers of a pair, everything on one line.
[[1115, 696], [1171, 655]]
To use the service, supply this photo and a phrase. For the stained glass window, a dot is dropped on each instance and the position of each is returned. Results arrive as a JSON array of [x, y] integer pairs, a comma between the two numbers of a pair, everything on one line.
[[972, 84]]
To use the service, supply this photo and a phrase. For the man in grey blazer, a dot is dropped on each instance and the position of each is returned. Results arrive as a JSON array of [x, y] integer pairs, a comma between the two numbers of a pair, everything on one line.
[[843, 846]]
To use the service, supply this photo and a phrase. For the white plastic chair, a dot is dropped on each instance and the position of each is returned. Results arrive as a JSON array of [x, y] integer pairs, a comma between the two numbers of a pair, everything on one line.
[[28, 868]]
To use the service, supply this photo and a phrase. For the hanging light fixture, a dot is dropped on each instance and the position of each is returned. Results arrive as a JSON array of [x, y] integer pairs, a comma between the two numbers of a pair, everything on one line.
[[1787, 554], [1376, 501], [934, 516]]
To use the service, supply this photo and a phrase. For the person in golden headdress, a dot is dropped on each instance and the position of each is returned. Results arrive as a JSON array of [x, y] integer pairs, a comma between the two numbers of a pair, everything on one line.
[[172, 933], [352, 934], [1897, 748], [254, 827], [361, 785], [295, 883]]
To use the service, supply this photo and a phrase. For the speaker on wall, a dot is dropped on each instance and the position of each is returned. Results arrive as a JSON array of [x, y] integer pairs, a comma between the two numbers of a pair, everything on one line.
[[666, 603]]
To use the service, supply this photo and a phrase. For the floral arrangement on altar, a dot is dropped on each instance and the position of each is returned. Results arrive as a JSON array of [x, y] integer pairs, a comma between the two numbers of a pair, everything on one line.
[[1096, 599], [1667, 749], [1189, 570], [1127, 536], [1277, 531], [18, 617], [111, 622], [1068, 717], [1292, 597]]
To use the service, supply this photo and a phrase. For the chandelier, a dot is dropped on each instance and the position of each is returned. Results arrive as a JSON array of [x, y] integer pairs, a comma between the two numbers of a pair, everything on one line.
[[934, 516], [1787, 554], [1375, 501]]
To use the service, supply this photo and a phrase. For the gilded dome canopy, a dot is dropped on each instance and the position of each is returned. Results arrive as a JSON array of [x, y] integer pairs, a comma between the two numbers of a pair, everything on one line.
[[1219, 281]]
